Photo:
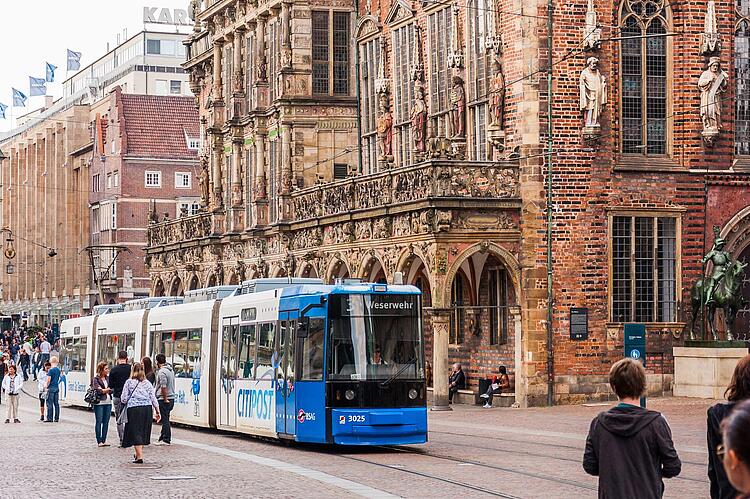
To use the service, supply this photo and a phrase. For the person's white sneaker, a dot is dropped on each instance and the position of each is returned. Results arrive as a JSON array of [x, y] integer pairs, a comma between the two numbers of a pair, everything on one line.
[[487, 406], [484, 396]]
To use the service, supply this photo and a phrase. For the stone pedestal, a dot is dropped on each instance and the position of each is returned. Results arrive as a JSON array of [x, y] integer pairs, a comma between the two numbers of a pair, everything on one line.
[[705, 372]]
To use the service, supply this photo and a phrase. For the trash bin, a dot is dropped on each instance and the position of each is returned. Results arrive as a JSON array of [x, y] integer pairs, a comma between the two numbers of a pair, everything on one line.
[[484, 385]]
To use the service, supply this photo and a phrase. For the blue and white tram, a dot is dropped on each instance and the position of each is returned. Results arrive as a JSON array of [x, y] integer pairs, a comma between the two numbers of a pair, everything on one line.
[[337, 364], [282, 358]]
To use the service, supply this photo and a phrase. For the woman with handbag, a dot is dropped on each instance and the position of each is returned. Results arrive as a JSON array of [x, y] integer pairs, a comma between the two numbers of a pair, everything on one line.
[[42, 388], [103, 405], [138, 396]]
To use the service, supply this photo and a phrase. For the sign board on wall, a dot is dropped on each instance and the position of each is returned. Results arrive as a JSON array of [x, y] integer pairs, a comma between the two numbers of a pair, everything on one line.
[[579, 323], [174, 17]]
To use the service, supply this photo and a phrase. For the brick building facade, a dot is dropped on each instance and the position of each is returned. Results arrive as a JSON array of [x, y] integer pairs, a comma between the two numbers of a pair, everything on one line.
[[450, 186]]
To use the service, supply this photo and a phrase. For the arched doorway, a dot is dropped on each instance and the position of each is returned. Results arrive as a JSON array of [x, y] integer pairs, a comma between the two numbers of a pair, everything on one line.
[[159, 288], [742, 321], [337, 270], [194, 283]]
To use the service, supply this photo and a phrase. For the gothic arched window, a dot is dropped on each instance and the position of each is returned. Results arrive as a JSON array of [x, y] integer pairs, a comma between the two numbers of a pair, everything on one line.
[[742, 78], [643, 65], [478, 16]]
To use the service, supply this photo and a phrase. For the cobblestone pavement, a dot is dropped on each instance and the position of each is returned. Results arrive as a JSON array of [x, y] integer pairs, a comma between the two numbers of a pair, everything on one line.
[[473, 452]]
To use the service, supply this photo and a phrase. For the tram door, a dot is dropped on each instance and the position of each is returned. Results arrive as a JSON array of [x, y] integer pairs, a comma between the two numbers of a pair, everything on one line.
[[286, 407], [227, 396]]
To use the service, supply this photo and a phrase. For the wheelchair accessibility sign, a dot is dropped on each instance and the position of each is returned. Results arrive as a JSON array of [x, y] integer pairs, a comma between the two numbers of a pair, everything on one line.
[[635, 354]]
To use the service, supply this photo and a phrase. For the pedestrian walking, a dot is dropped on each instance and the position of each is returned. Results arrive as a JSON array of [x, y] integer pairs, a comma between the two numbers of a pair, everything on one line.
[[737, 391], [53, 392], [118, 376], [25, 362], [103, 405], [165, 397], [12, 385], [36, 362], [45, 347], [42, 388], [148, 368], [499, 384], [735, 451], [138, 396], [628, 447]]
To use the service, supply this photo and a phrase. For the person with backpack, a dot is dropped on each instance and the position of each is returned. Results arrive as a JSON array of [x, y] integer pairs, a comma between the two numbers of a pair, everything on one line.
[[103, 405], [12, 385], [628, 447], [737, 391], [165, 396]]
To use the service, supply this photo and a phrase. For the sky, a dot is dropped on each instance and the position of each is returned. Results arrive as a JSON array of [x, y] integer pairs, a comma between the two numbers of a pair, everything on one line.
[[38, 31]]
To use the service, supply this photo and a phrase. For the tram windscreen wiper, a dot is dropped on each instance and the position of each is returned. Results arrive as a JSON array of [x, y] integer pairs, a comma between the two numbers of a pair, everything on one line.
[[412, 362]]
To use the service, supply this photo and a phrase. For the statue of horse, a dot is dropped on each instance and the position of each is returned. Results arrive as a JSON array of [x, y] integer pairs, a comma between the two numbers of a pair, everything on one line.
[[727, 296]]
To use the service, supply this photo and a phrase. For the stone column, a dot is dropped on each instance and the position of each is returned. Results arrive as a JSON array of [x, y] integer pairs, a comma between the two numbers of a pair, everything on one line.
[[285, 174], [286, 38], [218, 161], [520, 379], [237, 151], [238, 83], [440, 338], [260, 202], [217, 81], [260, 89]]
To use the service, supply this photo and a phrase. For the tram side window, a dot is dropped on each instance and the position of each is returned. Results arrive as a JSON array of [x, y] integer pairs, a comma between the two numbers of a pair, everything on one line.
[[182, 350], [110, 345], [247, 351], [312, 352], [73, 354], [263, 363]]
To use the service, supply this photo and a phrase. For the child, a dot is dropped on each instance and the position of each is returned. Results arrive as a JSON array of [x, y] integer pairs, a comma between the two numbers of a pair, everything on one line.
[[42, 388], [12, 384], [630, 448]]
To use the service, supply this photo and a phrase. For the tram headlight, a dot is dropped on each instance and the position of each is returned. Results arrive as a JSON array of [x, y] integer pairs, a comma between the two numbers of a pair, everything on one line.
[[349, 394], [413, 393]]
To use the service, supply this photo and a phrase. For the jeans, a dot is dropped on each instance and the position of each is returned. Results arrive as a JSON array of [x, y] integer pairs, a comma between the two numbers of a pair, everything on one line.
[[166, 428], [452, 391], [118, 409], [102, 413], [490, 393], [53, 405]]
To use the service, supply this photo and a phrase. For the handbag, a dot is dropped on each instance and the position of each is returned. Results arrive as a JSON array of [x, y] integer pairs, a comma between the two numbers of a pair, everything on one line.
[[92, 395], [122, 419]]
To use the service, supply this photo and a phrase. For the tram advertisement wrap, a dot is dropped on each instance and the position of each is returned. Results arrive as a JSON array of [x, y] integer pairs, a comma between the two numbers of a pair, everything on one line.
[[256, 404]]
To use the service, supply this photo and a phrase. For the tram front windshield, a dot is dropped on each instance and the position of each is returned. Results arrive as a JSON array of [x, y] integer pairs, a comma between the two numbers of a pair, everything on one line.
[[375, 337]]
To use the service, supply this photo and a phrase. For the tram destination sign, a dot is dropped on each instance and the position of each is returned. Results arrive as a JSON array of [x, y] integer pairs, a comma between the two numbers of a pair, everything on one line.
[[377, 304], [579, 323]]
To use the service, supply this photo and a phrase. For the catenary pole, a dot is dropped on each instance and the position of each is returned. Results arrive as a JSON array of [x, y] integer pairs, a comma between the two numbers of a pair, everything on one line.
[[550, 345]]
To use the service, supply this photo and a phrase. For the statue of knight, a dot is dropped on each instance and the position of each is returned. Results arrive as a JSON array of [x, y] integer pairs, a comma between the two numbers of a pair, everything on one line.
[[722, 289]]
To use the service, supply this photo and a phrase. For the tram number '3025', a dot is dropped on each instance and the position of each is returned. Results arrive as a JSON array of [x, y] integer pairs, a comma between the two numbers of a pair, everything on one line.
[[355, 418]]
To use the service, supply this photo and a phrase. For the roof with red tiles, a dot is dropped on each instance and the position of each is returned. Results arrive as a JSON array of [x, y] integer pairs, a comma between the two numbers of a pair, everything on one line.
[[157, 126]]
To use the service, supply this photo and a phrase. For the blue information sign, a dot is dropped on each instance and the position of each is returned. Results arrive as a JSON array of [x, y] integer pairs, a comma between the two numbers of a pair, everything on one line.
[[635, 345]]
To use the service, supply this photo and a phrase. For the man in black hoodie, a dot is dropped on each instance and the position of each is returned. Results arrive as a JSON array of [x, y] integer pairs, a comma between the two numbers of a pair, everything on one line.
[[630, 448]]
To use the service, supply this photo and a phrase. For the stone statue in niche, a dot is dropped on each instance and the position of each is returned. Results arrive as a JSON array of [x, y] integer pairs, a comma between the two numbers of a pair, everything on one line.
[[385, 130], [593, 98], [204, 180], [419, 118], [495, 129], [458, 108], [262, 68], [712, 83]]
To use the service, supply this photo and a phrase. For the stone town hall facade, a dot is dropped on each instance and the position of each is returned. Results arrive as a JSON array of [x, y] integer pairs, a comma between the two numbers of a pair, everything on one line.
[[343, 140]]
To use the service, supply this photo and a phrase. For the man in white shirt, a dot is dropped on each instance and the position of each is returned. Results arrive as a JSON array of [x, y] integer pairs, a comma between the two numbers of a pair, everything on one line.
[[45, 348]]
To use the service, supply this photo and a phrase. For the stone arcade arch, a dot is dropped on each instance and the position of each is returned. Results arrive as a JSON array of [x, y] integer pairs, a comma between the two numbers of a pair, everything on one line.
[[175, 288], [194, 283], [158, 288], [337, 269], [308, 269], [372, 269]]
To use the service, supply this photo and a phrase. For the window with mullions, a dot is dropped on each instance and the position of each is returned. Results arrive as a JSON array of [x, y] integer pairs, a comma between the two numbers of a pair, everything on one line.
[[181, 348], [643, 60], [439, 35], [330, 52], [644, 269], [73, 354], [478, 13], [369, 55], [273, 46], [742, 78], [403, 84]]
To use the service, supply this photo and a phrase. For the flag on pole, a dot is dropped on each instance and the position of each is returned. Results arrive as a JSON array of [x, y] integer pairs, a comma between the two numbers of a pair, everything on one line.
[[74, 60], [51, 72], [3, 107], [37, 86], [19, 99]]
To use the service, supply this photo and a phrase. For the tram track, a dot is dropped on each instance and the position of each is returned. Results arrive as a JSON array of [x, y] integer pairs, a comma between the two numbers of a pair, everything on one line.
[[547, 456], [431, 477]]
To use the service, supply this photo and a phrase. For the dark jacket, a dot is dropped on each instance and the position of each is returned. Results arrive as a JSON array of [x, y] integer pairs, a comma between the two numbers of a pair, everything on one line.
[[101, 385], [118, 375], [460, 378], [720, 486], [630, 449]]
